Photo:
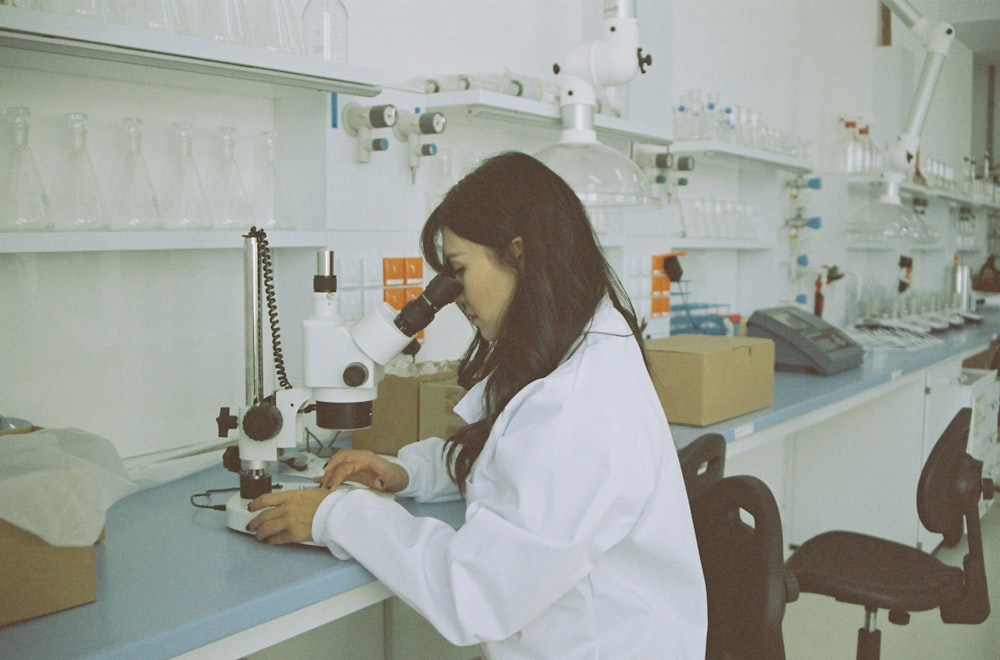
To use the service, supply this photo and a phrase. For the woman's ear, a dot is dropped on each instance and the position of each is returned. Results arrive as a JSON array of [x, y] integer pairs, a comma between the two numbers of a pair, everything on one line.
[[517, 249]]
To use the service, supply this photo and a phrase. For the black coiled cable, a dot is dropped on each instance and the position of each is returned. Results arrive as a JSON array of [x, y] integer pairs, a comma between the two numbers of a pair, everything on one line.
[[264, 255]]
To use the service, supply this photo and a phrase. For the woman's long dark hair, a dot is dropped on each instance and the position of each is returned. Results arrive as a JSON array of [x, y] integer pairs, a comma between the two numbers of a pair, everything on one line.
[[561, 281]]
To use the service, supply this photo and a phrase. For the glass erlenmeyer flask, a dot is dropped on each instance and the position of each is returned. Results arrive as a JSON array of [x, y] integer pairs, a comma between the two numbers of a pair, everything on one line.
[[224, 20], [101, 10], [165, 15], [78, 200], [273, 204], [232, 205], [184, 203], [324, 30], [24, 206], [136, 204], [277, 27]]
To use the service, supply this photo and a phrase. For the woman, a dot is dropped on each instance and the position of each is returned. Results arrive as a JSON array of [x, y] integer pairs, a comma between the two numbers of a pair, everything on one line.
[[578, 540]]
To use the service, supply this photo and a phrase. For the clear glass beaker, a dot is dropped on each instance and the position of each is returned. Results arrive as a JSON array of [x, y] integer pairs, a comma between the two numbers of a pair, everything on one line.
[[325, 28], [232, 205], [24, 206], [78, 200], [183, 199], [136, 205]]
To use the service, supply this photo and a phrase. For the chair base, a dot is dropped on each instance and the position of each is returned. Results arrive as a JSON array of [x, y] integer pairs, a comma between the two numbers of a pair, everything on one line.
[[869, 644]]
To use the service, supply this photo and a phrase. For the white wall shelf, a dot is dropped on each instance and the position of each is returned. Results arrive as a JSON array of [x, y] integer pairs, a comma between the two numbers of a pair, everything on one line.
[[488, 105], [39, 242], [682, 243], [67, 44], [738, 154], [874, 182]]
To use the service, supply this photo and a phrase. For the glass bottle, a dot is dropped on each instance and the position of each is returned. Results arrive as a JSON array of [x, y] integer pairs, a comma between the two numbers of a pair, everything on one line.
[[325, 28], [136, 204], [24, 206], [273, 203], [184, 203], [232, 205], [80, 205]]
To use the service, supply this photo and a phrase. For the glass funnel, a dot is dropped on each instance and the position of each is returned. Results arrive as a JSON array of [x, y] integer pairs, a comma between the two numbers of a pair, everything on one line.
[[184, 203], [24, 206], [136, 204], [232, 204], [78, 199]]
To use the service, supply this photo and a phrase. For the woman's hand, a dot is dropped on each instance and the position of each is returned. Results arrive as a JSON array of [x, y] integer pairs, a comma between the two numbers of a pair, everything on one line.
[[364, 467], [287, 516]]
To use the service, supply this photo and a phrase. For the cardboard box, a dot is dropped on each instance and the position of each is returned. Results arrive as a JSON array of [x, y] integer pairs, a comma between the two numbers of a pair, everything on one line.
[[704, 379], [437, 408], [397, 412], [39, 578]]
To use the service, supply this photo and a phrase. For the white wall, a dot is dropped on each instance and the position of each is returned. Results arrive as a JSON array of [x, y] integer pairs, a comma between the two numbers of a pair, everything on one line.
[[143, 347]]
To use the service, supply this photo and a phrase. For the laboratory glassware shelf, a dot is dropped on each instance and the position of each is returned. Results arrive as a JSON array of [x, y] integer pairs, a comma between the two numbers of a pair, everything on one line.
[[874, 182], [112, 241], [699, 243], [68, 44], [717, 151], [496, 106]]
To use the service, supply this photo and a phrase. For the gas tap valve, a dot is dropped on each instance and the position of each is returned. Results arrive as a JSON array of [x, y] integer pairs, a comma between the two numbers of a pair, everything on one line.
[[359, 122], [411, 127]]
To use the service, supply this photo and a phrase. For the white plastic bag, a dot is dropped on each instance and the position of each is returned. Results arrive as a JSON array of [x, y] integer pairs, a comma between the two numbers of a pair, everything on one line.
[[59, 484]]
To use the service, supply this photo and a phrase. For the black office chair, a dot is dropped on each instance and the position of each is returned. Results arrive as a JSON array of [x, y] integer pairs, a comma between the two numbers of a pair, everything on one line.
[[739, 539], [703, 462], [880, 574], [740, 543]]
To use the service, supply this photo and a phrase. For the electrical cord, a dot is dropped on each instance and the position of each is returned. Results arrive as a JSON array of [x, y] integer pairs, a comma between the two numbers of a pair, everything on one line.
[[267, 270], [208, 496]]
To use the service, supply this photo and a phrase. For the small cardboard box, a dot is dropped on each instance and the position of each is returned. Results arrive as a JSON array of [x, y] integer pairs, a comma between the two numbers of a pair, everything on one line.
[[396, 413], [704, 379], [39, 578]]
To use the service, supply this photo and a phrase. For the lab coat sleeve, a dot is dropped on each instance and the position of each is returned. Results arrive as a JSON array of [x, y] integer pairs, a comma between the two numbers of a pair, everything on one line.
[[561, 496], [424, 461]]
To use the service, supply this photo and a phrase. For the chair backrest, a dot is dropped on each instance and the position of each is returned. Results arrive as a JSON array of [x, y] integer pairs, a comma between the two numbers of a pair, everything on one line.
[[940, 507], [948, 494], [740, 542], [703, 462]]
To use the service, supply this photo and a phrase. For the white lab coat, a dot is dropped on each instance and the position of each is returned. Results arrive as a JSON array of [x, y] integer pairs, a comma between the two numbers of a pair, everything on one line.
[[578, 540]]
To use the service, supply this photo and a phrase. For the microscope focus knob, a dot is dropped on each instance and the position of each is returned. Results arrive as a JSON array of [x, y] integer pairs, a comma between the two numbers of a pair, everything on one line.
[[355, 374], [262, 422]]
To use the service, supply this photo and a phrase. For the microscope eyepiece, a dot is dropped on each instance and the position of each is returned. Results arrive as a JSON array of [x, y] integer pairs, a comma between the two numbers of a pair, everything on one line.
[[419, 312]]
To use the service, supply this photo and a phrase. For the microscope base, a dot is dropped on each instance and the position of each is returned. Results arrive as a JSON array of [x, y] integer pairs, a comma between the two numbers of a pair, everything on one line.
[[238, 516]]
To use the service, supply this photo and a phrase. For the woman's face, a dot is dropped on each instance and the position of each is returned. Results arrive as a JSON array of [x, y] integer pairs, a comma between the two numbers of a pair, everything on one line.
[[488, 286]]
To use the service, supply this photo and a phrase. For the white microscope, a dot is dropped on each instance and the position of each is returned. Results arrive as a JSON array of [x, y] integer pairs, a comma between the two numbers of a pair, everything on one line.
[[343, 367]]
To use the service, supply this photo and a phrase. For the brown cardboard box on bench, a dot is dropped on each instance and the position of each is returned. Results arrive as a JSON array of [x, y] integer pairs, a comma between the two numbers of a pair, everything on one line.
[[704, 379]]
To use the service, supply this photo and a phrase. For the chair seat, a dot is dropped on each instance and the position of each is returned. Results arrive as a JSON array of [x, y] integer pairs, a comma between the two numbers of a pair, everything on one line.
[[865, 570]]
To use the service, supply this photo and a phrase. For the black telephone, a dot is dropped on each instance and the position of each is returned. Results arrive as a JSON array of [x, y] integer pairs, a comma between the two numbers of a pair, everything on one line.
[[804, 341]]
